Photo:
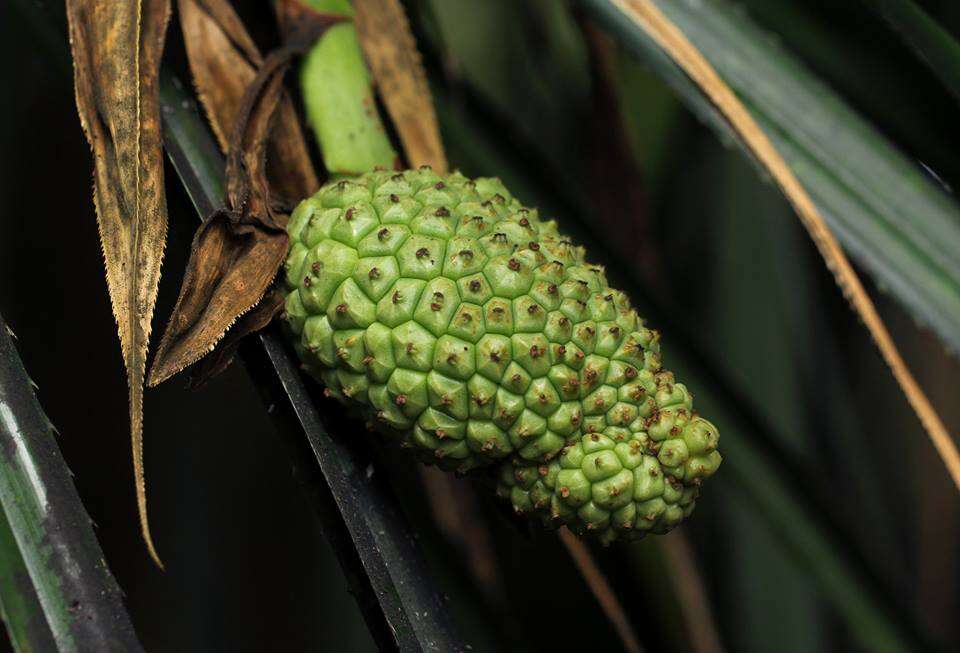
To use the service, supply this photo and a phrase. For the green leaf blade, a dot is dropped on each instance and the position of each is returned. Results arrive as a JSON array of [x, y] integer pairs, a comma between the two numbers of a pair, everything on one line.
[[898, 223]]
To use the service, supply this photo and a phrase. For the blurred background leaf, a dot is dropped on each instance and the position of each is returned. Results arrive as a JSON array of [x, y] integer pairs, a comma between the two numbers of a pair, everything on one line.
[[932, 43], [890, 214]]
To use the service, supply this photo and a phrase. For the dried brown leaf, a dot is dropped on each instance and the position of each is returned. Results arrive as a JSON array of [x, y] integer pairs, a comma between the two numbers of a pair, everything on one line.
[[116, 53], [692, 62], [254, 320], [237, 251], [391, 52], [224, 61], [230, 267]]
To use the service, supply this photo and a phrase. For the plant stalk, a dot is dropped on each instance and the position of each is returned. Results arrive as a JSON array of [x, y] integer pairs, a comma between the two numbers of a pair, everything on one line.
[[340, 105]]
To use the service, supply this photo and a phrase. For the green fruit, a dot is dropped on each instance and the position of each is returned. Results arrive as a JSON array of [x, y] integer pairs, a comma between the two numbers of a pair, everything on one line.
[[454, 317]]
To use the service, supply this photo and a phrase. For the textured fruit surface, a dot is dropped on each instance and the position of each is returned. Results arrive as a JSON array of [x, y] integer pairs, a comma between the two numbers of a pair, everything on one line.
[[453, 316]]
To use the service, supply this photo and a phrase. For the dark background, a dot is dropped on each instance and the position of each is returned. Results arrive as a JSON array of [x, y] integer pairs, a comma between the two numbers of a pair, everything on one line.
[[247, 567]]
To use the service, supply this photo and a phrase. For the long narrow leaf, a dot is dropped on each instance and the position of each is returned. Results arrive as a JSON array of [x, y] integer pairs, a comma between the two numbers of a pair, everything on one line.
[[54, 584], [20, 606], [116, 57], [643, 17], [892, 217]]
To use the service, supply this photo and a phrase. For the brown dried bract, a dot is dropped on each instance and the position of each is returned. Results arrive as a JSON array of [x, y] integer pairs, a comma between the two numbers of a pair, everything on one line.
[[391, 52], [254, 320], [238, 249], [224, 61], [116, 53]]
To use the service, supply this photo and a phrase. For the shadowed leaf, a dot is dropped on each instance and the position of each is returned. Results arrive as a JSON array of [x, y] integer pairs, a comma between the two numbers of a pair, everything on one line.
[[116, 53], [645, 16], [391, 52], [224, 60], [237, 250]]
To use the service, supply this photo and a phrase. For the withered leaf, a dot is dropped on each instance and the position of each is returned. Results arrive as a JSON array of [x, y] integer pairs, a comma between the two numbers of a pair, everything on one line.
[[254, 320], [391, 52], [116, 53], [237, 251], [224, 60], [231, 265]]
